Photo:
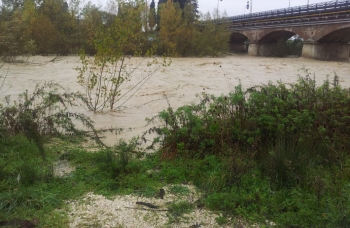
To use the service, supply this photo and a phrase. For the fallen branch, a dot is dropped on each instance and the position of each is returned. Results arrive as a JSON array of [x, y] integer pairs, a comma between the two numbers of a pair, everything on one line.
[[147, 205], [20, 223], [146, 209]]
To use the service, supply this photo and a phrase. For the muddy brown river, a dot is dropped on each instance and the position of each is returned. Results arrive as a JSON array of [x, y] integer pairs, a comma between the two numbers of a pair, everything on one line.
[[180, 82]]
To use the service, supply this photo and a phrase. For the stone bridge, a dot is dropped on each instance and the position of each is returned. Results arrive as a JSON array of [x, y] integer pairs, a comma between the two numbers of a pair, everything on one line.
[[324, 28]]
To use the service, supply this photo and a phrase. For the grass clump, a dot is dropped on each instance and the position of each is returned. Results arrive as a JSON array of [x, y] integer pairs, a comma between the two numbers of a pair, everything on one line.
[[179, 190], [221, 220], [176, 211]]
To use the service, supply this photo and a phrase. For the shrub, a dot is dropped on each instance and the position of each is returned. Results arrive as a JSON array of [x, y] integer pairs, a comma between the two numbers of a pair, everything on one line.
[[285, 129], [276, 151], [44, 113]]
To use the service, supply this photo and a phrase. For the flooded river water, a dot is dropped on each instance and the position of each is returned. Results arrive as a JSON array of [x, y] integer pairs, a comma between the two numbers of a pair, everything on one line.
[[180, 82]]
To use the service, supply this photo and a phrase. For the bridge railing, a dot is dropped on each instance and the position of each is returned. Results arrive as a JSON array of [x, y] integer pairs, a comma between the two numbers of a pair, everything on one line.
[[323, 7]]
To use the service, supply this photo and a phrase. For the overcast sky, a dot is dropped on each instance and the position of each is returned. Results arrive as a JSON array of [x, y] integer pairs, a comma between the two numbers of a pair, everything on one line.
[[237, 7]]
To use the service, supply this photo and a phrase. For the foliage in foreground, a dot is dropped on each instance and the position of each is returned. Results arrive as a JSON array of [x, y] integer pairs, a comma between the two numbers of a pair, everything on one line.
[[275, 152], [291, 138], [45, 112]]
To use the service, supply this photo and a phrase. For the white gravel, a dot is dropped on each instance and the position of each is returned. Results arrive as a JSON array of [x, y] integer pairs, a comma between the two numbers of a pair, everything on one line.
[[62, 168], [122, 211]]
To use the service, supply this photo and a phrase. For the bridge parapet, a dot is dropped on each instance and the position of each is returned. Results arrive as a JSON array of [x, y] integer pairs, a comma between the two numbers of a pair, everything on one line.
[[312, 13]]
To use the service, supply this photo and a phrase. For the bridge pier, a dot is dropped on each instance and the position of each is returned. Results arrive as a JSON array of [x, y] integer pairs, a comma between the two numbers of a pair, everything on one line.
[[263, 49], [253, 49], [238, 47], [326, 51]]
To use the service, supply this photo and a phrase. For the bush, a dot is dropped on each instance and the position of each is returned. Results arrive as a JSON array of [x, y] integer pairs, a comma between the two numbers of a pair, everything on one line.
[[280, 146], [285, 129], [44, 113]]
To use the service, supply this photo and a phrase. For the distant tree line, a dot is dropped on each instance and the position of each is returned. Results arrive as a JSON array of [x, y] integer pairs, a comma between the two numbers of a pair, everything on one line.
[[60, 27]]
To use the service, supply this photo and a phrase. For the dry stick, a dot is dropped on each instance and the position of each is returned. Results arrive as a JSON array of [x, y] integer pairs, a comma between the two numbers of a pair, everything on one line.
[[227, 80], [54, 59], [145, 209], [159, 99], [120, 80], [147, 205], [137, 87], [2, 77]]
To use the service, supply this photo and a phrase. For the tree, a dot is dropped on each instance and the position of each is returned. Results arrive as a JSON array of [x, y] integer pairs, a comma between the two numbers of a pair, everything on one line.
[[13, 40], [211, 39], [58, 15], [45, 35], [170, 27], [12, 5], [192, 3], [182, 4], [104, 76], [90, 23], [152, 17]]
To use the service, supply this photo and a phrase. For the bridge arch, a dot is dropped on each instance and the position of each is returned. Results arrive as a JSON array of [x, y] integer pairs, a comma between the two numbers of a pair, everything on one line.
[[238, 42], [331, 43], [323, 27], [277, 42], [341, 35], [275, 36]]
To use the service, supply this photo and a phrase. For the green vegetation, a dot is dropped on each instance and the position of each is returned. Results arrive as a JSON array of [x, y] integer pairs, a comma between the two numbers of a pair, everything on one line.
[[178, 210], [181, 34], [290, 47], [276, 152], [103, 76], [68, 27]]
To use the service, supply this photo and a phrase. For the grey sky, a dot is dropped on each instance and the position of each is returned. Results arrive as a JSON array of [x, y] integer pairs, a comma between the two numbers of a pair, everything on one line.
[[237, 7]]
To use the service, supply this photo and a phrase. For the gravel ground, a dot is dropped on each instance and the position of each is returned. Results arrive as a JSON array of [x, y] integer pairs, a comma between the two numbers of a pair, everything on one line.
[[122, 211]]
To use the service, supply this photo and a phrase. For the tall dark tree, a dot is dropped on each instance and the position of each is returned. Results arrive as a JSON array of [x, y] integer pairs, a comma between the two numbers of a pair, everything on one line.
[[152, 18], [160, 2], [194, 4], [152, 5], [183, 4]]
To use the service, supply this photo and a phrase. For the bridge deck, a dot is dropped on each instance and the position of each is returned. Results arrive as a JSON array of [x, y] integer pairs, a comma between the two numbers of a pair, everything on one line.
[[339, 11]]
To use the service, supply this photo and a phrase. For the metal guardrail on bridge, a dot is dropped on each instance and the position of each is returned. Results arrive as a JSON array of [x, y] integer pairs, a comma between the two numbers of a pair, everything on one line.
[[323, 8]]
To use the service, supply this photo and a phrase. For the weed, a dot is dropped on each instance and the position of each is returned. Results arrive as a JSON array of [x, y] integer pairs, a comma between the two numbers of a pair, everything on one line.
[[221, 220], [177, 210], [180, 190]]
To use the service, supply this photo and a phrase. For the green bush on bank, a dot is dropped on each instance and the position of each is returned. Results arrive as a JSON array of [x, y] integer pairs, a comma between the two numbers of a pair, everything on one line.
[[284, 129], [292, 139]]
